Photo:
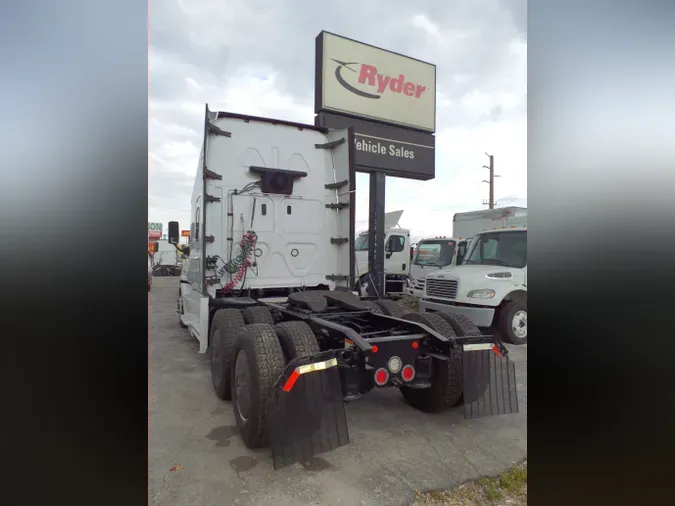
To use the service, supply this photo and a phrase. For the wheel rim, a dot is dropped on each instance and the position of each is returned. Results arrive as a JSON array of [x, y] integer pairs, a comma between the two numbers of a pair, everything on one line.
[[215, 356], [241, 386], [519, 324]]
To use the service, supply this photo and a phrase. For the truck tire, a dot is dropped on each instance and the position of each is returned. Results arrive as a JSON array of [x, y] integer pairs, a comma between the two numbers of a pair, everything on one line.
[[258, 362], [462, 326], [390, 308], [446, 375], [296, 339], [257, 314], [224, 327], [181, 311], [513, 322]]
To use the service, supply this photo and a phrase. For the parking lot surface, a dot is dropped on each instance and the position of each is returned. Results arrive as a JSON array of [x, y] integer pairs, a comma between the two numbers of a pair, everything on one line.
[[197, 457]]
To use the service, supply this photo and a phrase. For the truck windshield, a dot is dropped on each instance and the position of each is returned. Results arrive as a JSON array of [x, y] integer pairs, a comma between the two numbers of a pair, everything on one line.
[[508, 249], [438, 253], [361, 243]]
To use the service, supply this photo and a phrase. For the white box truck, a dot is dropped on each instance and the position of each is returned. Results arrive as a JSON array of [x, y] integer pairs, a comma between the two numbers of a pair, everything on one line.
[[490, 287], [439, 252]]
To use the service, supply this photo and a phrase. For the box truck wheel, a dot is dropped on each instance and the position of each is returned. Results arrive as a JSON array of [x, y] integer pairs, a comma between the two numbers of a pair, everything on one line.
[[181, 311], [390, 308], [446, 375], [257, 314], [513, 322], [258, 363], [224, 327]]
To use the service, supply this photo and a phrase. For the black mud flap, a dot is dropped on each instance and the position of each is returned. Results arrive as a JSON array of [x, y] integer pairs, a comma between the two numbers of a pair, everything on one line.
[[489, 382], [306, 412]]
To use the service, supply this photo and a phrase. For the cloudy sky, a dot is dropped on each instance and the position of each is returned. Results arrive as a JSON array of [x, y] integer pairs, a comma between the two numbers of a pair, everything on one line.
[[257, 57]]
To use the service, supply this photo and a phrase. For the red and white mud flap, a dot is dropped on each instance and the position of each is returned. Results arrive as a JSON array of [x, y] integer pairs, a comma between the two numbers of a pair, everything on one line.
[[306, 412], [489, 381]]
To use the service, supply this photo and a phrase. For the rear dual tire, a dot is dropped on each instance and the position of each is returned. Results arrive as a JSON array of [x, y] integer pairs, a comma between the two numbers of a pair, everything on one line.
[[224, 327], [258, 363], [446, 375], [261, 353]]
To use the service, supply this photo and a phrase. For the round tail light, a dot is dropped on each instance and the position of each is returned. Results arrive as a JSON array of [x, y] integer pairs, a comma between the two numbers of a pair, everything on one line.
[[381, 376], [394, 365], [408, 373]]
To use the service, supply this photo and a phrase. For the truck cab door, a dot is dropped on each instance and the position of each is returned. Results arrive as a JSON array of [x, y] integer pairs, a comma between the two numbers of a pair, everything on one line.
[[396, 254]]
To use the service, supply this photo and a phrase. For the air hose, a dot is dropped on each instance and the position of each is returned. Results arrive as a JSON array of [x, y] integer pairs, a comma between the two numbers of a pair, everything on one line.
[[238, 265]]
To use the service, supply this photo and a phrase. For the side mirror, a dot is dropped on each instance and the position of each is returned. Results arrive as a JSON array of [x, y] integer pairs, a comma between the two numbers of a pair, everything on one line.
[[173, 232]]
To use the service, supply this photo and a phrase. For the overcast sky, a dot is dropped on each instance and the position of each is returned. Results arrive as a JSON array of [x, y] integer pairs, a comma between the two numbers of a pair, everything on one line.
[[257, 57]]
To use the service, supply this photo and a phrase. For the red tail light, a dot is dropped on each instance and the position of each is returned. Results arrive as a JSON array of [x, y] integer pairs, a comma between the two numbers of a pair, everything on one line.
[[408, 373], [381, 376]]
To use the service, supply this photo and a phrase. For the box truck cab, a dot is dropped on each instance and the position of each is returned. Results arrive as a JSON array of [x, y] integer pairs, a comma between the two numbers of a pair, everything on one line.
[[432, 254], [490, 287], [396, 256]]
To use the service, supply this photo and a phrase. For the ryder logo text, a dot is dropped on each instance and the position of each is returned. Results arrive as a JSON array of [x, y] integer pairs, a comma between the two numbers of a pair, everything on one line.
[[367, 75]]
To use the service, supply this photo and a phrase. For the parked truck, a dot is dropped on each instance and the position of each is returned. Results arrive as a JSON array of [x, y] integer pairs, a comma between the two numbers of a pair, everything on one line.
[[433, 253], [268, 292], [490, 287], [469, 223], [440, 253], [396, 257], [165, 258]]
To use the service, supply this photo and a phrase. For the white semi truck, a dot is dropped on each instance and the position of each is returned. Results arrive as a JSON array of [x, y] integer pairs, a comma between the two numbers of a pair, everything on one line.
[[166, 259], [431, 254], [267, 291], [490, 287], [396, 259], [440, 252]]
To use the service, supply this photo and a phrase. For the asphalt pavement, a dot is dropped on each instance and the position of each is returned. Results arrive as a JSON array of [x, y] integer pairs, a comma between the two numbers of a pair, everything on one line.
[[197, 457]]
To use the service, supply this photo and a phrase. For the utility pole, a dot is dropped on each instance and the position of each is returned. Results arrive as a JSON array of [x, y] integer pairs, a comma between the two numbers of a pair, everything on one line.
[[491, 182]]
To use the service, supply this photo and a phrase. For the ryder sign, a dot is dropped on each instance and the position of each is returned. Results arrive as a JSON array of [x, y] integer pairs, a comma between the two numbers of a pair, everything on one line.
[[360, 80]]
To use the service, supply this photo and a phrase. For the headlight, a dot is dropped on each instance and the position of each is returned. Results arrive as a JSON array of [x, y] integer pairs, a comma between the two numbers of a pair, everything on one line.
[[483, 293]]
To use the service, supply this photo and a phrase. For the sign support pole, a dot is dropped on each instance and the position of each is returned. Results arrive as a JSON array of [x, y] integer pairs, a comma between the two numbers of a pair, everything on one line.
[[376, 284]]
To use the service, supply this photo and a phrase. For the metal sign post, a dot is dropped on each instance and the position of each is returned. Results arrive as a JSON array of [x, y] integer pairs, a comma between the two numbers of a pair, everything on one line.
[[376, 285]]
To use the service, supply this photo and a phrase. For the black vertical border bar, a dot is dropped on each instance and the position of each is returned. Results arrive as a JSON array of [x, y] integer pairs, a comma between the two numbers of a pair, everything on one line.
[[318, 73]]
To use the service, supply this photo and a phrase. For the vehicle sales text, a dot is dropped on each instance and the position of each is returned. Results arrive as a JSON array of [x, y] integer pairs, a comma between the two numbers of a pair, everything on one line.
[[380, 148]]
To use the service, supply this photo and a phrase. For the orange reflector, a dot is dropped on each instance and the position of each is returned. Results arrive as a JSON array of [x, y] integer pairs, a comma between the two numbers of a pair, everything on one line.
[[415, 345], [304, 369], [291, 381], [495, 348]]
